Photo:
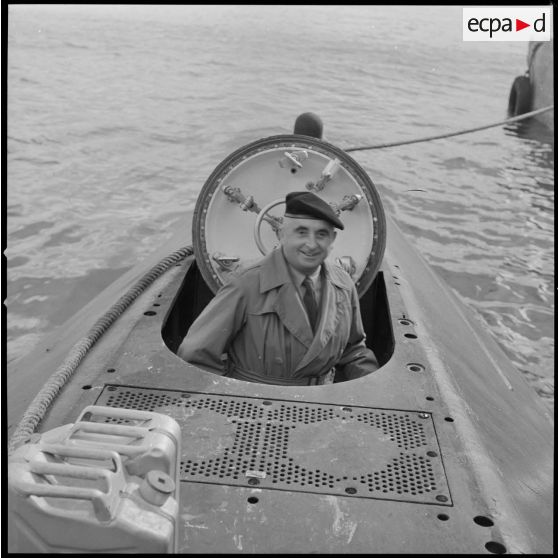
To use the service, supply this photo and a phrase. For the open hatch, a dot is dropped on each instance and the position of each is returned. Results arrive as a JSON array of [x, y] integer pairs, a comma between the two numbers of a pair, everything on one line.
[[240, 208]]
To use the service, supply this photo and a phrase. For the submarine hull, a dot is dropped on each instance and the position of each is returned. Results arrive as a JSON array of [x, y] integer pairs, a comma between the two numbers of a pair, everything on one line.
[[444, 449]]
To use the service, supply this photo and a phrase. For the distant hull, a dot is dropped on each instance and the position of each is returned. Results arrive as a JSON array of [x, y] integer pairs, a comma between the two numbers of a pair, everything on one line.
[[535, 89], [540, 60]]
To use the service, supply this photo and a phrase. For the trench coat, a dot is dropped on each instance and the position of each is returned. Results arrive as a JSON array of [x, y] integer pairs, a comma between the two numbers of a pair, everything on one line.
[[258, 320]]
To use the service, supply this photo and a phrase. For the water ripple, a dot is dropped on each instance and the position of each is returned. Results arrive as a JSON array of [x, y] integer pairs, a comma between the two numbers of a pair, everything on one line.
[[118, 116]]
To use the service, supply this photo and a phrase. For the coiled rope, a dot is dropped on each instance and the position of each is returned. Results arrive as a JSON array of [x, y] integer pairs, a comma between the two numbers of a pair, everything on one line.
[[450, 134], [36, 410]]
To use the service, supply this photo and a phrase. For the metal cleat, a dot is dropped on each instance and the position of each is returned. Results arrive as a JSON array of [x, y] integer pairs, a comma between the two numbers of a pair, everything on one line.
[[293, 159], [226, 263], [327, 174], [348, 203]]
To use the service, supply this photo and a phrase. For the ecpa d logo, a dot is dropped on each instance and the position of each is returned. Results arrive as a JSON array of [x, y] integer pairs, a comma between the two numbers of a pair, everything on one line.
[[507, 24]]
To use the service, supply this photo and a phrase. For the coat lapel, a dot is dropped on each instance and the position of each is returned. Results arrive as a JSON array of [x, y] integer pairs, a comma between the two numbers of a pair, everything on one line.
[[293, 315], [282, 297], [326, 324]]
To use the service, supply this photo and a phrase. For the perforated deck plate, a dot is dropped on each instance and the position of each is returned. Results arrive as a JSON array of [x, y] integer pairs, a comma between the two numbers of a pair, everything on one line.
[[304, 447]]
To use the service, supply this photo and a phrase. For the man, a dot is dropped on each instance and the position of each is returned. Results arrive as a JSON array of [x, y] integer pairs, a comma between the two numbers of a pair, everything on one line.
[[271, 325]]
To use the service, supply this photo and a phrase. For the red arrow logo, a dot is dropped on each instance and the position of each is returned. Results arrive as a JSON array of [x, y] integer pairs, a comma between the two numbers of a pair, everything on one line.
[[519, 25]]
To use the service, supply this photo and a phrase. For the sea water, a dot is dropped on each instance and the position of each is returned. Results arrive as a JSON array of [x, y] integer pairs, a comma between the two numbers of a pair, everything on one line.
[[118, 114]]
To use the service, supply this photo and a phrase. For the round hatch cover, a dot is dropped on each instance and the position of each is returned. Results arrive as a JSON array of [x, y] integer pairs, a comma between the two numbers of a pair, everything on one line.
[[241, 205]]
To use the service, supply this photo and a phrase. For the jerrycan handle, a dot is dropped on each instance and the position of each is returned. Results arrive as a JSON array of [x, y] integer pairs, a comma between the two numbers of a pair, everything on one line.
[[104, 502]]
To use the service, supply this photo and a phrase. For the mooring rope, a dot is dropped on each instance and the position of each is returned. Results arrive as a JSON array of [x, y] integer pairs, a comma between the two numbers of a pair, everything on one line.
[[458, 133], [36, 410]]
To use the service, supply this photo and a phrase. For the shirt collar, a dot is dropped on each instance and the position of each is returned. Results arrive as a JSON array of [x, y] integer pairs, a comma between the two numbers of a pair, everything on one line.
[[299, 277]]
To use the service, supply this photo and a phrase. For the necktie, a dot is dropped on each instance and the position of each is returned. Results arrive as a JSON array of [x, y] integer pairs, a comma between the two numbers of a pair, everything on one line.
[[310, 302]]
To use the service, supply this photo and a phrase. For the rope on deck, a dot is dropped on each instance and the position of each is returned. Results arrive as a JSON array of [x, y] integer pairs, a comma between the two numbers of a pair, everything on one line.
[[458, 133], [38, 407]]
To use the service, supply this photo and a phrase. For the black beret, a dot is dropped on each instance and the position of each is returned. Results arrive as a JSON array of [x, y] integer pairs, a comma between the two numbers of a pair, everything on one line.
[[310, 206]]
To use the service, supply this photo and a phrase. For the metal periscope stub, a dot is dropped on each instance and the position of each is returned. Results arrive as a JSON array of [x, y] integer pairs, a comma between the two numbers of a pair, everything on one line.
[[275, 444]]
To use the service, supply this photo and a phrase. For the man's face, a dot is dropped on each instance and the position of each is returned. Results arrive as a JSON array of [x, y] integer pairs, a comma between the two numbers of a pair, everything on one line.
[[306, 242]]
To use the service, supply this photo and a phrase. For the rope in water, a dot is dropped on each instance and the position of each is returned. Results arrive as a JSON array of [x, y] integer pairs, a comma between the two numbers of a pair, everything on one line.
[[450, 134], [37, 409]]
